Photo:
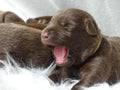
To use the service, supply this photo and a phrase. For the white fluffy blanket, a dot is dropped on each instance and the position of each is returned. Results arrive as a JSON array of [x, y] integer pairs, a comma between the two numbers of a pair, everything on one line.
[[13, 77]]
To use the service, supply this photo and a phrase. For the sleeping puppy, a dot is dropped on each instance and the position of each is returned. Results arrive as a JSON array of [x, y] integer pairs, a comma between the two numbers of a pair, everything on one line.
[[38, 22], [7, 17], [24, 45], [42, 20], [81, 50]]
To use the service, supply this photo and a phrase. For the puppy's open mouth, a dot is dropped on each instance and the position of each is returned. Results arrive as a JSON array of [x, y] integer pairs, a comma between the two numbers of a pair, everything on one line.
[[61, 53]]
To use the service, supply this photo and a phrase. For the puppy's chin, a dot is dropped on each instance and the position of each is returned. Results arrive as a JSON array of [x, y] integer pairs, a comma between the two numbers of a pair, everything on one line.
[[65, 64]]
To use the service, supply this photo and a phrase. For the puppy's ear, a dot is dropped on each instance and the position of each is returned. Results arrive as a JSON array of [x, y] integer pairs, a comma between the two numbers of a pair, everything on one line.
[[90, 26]]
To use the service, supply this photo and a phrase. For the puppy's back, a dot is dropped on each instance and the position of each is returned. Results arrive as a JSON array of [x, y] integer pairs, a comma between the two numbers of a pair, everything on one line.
[[8, 16], [24, 44]]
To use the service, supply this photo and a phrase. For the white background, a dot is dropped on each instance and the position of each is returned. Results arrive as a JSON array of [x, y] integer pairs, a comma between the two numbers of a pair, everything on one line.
[[105, 12]]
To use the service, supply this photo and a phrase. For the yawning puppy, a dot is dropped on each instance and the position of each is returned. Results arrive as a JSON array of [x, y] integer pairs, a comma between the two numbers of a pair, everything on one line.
[[24, 45], [81, 50], [7, 17]]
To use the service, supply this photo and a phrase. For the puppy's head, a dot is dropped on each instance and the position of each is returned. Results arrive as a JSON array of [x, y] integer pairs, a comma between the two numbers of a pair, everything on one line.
[[73, 35]]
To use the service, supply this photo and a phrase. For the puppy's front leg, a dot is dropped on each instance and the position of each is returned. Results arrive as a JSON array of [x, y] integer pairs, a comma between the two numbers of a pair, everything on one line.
[[58, 76], [93, 72]]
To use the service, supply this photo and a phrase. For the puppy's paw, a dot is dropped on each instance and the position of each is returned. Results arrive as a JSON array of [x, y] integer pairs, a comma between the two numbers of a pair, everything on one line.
[[76, 87]]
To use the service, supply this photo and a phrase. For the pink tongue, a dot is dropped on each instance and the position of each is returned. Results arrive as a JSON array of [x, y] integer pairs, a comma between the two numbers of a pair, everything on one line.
[[60, 53]]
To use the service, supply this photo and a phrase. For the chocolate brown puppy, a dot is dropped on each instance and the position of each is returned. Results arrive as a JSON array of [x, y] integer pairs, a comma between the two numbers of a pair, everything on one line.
[[42, 20], [7, 17], [81, 50], [24, 45]]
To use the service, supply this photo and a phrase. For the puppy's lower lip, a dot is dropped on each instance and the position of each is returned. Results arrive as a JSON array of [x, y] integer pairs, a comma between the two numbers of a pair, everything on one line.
[[50, 46], [61, 62]]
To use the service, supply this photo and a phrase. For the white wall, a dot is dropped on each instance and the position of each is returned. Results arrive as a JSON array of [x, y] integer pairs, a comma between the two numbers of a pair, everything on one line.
[[106, 12]]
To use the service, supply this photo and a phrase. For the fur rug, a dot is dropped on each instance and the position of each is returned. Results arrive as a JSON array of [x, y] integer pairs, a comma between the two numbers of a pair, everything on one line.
[[13, 77]]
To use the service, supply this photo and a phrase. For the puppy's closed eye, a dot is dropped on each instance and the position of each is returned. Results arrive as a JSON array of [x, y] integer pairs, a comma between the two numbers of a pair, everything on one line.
[[67, 26]]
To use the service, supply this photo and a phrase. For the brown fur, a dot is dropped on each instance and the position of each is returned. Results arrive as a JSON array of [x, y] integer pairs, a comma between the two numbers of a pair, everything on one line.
[[24, 45], [7, 17], [33, 25], [93, 58]]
